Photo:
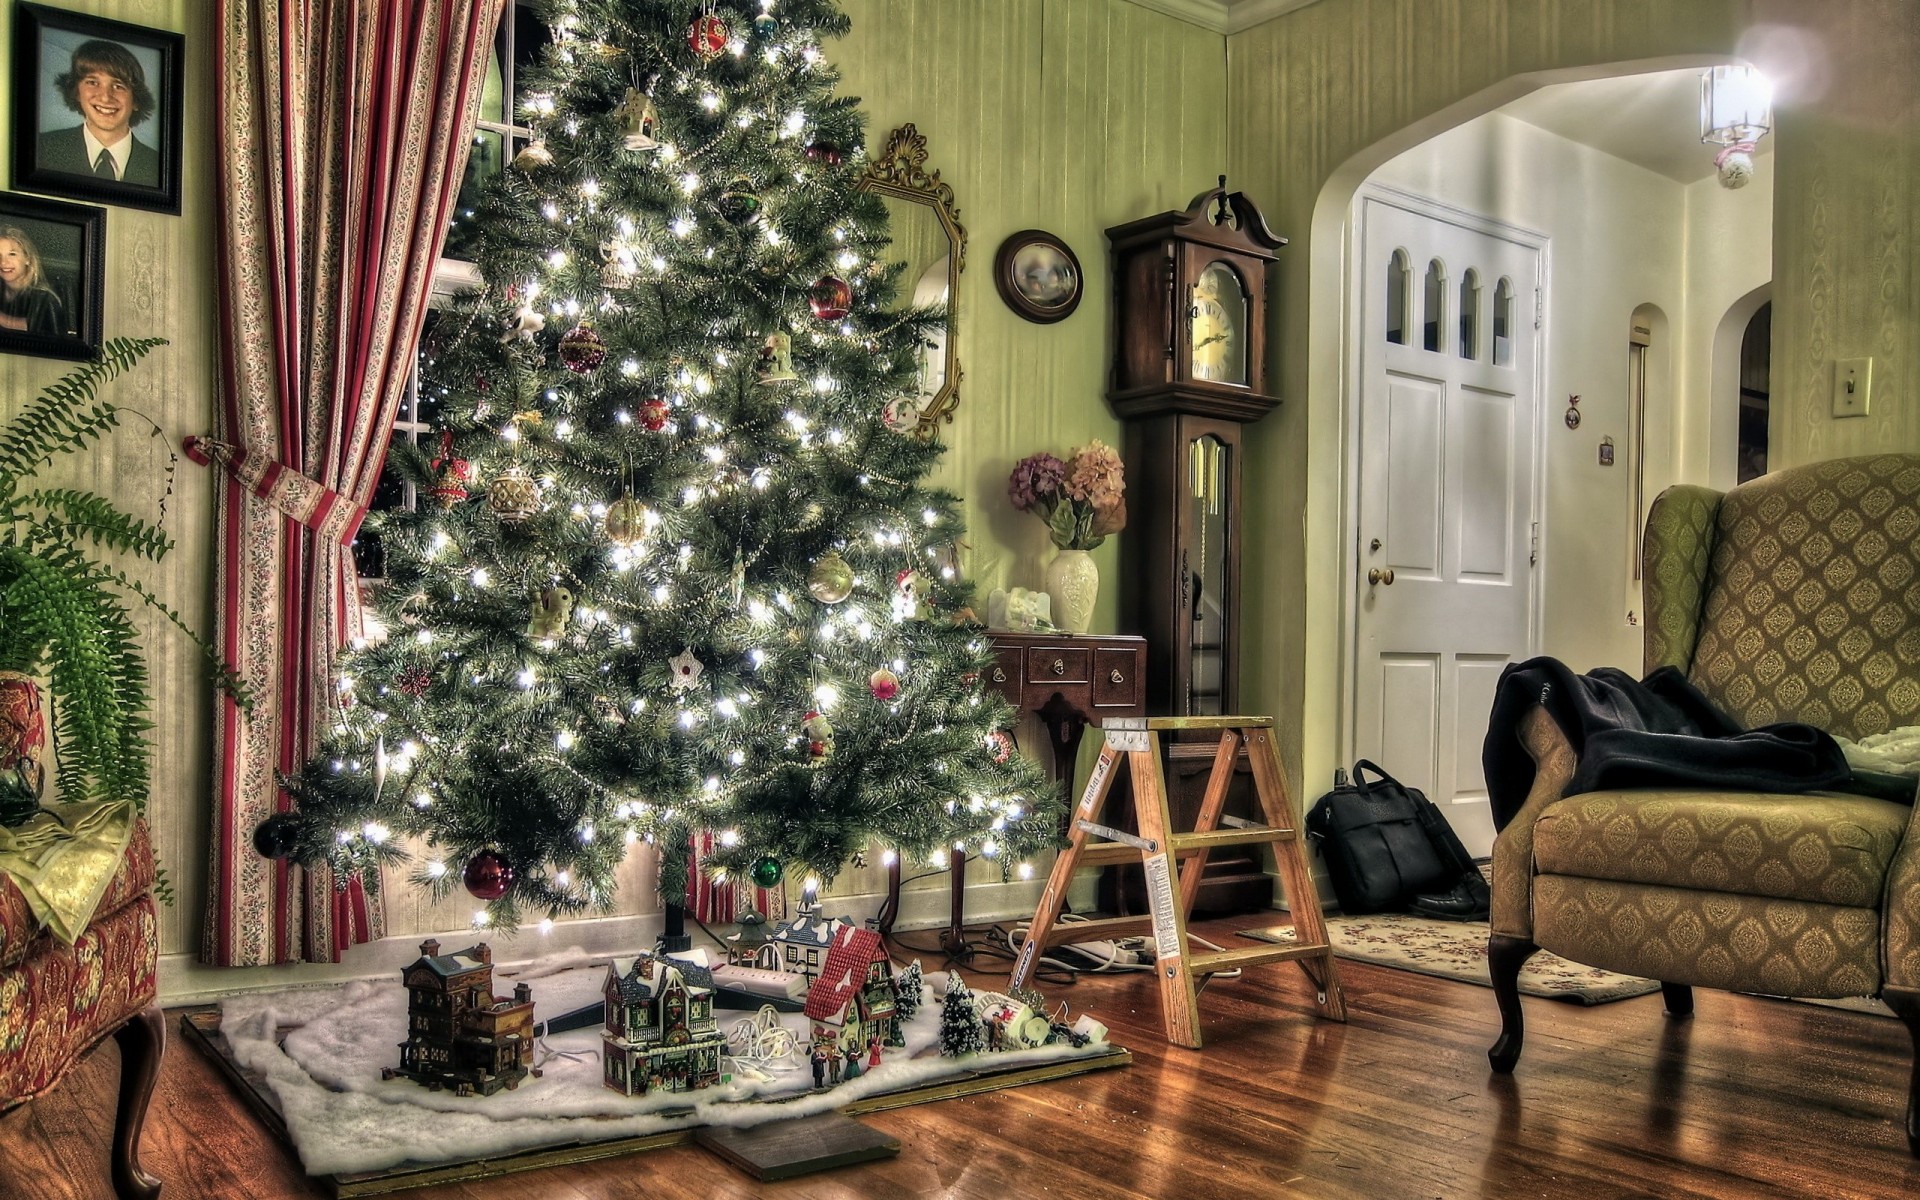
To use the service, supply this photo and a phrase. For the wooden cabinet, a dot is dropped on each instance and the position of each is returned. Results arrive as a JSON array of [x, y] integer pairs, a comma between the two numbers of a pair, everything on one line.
[[1070, 681]]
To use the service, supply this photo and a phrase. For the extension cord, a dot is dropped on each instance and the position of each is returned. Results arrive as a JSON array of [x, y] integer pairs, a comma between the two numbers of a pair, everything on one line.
[[1092, 956]]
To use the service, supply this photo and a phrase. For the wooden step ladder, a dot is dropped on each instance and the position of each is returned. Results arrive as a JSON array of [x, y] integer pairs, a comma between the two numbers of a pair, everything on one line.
[[1137, 741]]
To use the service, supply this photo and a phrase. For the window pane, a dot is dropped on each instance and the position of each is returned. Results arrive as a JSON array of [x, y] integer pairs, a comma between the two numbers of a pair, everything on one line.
[[1503, 323], [1436, 302], [1470, 315], [1397, 272]]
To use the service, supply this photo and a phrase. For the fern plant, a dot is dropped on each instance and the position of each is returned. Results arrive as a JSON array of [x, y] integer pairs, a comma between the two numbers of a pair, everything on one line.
[[66, 609]]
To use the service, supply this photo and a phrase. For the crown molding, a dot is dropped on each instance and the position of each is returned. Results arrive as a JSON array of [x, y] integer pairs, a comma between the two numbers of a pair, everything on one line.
[[1223, 16]]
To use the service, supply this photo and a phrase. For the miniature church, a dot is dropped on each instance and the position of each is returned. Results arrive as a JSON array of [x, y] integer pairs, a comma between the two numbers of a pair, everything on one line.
[[660, 1030], [459, 1034]]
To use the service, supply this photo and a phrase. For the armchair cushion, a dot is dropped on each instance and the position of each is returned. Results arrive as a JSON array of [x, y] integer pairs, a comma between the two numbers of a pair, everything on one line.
[[1822, 848], [21, 935]]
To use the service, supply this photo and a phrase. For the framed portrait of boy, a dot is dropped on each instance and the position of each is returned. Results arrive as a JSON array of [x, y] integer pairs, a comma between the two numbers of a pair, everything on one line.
[[96, 108], [52, 276]]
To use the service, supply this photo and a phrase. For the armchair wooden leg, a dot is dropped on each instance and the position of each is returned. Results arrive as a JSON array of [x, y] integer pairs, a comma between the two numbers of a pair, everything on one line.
[[1505, 956], [1906, 1005], [142, 1041], [1679, 998]]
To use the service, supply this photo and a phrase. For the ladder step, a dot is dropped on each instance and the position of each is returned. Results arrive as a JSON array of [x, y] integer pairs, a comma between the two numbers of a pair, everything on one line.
[[1161, 724], [1214, 838], [1106, 855], [1229, 960], [1104, 929]]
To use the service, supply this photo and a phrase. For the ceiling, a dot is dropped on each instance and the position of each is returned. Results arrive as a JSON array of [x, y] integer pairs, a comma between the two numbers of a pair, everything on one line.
[[1651, 120]]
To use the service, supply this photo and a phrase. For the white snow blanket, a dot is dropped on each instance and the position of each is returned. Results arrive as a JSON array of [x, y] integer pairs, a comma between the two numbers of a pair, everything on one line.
[[322, 1050]]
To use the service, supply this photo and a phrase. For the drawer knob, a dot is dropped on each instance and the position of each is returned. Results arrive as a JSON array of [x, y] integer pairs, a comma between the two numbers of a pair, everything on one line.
[[999, 676], [1059, 666], [1117, 677]]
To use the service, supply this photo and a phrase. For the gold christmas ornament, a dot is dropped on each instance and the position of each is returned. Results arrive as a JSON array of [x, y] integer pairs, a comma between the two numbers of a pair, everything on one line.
[[831, 579], [626, 522], [533, 155], [513, 496]]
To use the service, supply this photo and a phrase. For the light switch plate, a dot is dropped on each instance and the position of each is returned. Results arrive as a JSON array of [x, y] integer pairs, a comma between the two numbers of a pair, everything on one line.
[[1852, 386]]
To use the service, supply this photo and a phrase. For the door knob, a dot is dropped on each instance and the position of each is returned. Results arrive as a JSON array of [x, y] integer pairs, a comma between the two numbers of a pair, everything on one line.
[[1377, 576]]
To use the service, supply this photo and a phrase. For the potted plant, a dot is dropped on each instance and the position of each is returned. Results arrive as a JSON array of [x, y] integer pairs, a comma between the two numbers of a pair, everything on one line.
[[66, 608], [1082, 500]]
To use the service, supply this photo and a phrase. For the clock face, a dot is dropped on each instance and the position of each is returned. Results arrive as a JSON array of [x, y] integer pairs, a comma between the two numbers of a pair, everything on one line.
[[1217, 320]]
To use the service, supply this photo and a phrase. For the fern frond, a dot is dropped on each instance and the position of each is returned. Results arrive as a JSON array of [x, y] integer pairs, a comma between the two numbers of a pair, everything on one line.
[[67, 415], [95, 517]]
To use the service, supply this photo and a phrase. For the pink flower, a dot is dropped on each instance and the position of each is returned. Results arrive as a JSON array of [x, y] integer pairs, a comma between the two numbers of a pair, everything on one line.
[[1096, 475]]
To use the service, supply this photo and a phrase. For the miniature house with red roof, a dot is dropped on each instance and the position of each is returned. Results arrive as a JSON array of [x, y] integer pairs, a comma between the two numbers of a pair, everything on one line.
[[459, 1034], [853, 1001]]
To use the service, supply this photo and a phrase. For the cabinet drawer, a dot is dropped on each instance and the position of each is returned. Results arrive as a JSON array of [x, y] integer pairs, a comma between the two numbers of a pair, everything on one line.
[[1057, 664], [1116, 678], [1004, 674]]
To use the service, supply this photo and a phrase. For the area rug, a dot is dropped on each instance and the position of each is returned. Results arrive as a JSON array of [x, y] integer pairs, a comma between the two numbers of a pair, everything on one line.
[[1458, 950]]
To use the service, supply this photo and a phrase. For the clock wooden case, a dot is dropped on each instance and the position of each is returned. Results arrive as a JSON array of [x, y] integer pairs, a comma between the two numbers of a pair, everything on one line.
[[1189, 372]]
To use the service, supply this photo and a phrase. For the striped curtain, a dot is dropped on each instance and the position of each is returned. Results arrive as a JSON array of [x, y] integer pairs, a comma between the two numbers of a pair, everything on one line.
[[343, 129]]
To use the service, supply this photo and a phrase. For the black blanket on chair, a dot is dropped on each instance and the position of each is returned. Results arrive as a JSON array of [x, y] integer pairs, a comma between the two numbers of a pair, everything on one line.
[[1660, 732]]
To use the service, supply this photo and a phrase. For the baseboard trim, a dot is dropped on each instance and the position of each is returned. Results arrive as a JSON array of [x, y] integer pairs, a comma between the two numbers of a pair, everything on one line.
[[184, 980]]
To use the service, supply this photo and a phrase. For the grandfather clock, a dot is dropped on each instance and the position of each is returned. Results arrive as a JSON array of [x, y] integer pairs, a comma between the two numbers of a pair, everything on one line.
[[1189, 371]]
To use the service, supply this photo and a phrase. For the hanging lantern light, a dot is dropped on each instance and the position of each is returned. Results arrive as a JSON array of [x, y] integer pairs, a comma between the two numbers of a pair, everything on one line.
[[1736, 111]]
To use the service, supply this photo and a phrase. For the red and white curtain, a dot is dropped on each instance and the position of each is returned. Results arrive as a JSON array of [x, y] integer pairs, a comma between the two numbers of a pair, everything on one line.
[[343, 132]]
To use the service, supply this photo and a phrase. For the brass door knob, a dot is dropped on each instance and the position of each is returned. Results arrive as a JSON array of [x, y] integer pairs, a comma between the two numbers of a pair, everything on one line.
[[1117, 677], [1377, 576]]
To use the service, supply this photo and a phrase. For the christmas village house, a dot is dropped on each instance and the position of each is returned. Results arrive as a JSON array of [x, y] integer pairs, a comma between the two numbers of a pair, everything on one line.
[[854, 1000], [459, 1034], [660, 1030], [801, 945]]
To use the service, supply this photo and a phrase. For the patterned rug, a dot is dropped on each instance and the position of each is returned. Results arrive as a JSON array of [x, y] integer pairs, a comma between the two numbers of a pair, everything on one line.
[[1458, 950]]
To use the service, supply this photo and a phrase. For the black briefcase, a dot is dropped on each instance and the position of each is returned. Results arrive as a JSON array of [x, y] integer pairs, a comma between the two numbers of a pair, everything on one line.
[[1383, 842]]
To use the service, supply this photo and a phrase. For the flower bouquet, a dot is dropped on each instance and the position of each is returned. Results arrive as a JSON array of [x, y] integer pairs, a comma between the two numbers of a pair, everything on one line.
[[1082, 500]]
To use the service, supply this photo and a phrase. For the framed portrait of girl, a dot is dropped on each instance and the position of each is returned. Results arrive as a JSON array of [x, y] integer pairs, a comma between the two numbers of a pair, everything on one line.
[[52, 275]]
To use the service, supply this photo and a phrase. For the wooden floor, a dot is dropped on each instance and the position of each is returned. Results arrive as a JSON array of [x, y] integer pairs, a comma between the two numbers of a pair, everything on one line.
[[1750, 1098]]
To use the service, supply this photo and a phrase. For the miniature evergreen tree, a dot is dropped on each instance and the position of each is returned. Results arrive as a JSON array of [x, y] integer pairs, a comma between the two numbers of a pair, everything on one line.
[[909, 992], [705, 587], [960, 1032]]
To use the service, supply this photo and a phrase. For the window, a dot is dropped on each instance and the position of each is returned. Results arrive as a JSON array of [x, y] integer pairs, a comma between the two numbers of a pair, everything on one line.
[[516, 45], [1470, 314], [1503, 323], [1397, 271], [1433, 315]]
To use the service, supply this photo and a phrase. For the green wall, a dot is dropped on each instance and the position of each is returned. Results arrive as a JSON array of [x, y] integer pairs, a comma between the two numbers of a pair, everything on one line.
[[1063, 115]]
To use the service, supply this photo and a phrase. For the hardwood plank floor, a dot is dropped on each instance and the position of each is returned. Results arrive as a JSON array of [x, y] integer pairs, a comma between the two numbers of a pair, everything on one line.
[[1749, 1098]]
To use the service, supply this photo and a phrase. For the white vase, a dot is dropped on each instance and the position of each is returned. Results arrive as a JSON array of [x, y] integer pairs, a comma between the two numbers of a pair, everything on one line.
[[1073, 581]]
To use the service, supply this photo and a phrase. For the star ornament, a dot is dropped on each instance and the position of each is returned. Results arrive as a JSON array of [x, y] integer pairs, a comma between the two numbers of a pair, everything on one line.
[[686, 670]]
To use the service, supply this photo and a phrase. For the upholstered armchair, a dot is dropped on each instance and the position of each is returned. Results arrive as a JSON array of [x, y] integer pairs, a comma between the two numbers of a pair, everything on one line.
[[1795, 597], [57, 1002]]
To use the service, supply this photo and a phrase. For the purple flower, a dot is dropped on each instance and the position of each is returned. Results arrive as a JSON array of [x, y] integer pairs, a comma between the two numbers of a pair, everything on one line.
[[1036, 482]]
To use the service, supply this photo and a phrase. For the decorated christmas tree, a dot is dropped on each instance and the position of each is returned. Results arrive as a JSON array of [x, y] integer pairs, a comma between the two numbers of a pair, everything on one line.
[[910, 991], [960, 1031], [679, 570]]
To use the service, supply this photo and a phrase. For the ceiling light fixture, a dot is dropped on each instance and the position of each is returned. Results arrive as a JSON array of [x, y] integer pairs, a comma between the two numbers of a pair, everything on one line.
[[1736, 111]]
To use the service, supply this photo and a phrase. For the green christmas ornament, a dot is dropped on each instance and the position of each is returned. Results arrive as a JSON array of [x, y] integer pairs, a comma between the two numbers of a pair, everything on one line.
[[768, 872], [831, 579], [740, 204]]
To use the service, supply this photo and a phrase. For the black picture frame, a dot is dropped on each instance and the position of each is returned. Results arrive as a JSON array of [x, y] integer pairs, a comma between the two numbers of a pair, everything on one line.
[[49, 140], [1038, 276], [59, 299]]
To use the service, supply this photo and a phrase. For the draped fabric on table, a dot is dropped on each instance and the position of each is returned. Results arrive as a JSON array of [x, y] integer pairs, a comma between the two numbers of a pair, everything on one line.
[[343, 130]]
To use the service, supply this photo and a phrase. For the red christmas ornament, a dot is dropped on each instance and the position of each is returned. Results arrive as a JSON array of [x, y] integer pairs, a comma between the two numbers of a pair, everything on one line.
[[884, 684], [415, 682], [825, 152], [488, 876], [1000, 745], [830, 298], [582, 350], [708, 37], [454, 474], [653, 413]]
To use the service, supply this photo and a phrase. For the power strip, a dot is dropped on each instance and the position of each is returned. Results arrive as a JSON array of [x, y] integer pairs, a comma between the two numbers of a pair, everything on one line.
[[1105, 956]]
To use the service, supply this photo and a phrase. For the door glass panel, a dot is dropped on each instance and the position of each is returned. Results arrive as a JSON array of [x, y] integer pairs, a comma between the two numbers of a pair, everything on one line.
[[1219, 322], [1470, 314], [1434, 314], [1503, 323], [1397, 271], [1206, 583]]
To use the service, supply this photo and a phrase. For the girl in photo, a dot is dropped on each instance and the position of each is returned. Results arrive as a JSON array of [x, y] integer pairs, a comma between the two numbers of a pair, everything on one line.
[[27, 304]]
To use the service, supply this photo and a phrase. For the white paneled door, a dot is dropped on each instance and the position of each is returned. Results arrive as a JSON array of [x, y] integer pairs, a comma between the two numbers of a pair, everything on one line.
[[1448, 452]]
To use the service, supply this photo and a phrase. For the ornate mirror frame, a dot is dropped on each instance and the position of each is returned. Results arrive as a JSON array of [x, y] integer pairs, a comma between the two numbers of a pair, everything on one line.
[[900, 171]]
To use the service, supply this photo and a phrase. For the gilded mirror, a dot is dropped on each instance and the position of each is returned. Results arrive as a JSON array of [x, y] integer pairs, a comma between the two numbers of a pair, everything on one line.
[[930, 242]]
